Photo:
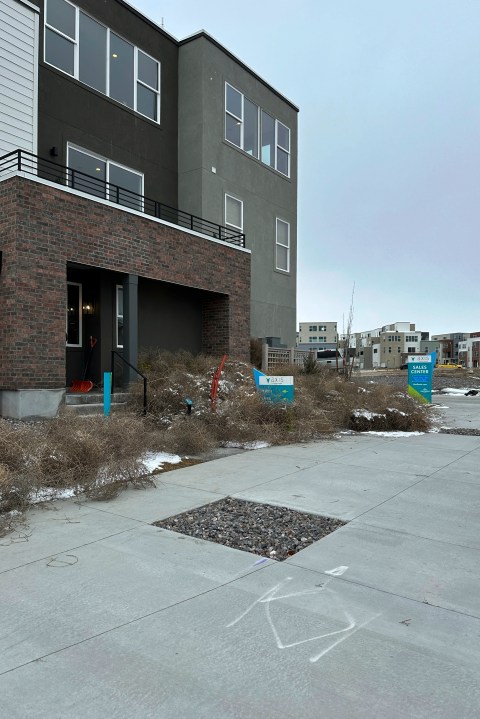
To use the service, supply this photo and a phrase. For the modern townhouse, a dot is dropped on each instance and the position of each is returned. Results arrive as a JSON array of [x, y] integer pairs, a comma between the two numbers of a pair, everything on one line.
[[109, 125]]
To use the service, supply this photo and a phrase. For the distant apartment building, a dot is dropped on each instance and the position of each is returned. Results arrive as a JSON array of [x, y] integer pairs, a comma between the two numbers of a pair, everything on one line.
[[449, 346], [317, 335], [389, 346], [469, 351]]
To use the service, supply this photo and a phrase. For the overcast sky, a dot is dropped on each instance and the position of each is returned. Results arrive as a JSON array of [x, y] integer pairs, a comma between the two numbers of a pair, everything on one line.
[[389, 147]]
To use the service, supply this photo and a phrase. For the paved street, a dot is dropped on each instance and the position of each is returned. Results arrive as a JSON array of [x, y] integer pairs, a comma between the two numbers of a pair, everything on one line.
[[104, 615]]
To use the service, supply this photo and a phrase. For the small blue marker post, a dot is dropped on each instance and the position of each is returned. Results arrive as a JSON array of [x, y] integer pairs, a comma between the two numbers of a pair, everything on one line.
[[107, 393]]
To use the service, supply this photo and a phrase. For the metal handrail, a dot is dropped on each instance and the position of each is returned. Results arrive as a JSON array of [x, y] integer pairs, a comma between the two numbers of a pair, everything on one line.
[[135, 369], [24, 161]]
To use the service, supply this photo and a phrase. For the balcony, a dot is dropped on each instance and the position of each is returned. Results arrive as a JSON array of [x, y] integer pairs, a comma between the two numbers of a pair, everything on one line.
[[29, 164]]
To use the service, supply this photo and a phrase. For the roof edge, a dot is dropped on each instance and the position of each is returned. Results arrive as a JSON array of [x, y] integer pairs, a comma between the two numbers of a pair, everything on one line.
[[210, 38]]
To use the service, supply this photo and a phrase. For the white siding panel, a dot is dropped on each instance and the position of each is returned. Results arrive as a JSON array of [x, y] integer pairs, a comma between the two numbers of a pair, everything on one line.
[[10, 65], [9, 89], [18, 76], [17, 117]]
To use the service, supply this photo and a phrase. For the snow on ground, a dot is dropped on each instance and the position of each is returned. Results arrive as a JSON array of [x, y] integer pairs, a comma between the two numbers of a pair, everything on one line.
[[49, 493], [247, 445], [155, 460], [394, 434], [366, 413]]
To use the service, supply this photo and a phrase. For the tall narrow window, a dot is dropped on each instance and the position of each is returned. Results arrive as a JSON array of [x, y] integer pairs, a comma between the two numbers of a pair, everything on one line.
[[119, 316], [250, 132], [60, 35], [268, 139], [233, 213], [74, 314], [92, 53], [121, 70], [233, 115], [147, 86], [283, 149], [282, 246]]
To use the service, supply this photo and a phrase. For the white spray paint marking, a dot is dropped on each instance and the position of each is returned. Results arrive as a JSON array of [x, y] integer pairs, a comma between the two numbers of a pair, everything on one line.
[[272, 595], [337, 572], [342, 639]]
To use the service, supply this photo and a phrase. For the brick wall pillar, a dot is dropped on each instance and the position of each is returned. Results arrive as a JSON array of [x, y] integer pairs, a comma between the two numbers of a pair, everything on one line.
[[215, 325]]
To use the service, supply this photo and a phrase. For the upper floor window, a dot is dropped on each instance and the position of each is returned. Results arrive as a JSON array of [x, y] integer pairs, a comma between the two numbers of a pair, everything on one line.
[[312, 328], [101, 177], [256, 132], [282, 261], [93, 54], [233, 213]]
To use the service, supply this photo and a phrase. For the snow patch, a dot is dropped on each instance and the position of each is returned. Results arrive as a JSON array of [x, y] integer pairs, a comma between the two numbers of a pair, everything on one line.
[[247, 445], [155, 460], [394, 434]]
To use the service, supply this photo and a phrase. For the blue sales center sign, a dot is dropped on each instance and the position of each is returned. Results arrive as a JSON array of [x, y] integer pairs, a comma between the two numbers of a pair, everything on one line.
[[420, 374], [274, 388]]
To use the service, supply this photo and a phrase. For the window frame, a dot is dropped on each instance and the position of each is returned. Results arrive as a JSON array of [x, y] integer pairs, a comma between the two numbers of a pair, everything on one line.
[[241, 121], [108, 162], [76, 63], [118, 316], [229, 224], [80, 316], [280, 244]]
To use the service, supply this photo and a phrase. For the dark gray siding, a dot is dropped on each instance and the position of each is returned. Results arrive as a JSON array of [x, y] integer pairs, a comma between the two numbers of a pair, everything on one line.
[[70, 111]]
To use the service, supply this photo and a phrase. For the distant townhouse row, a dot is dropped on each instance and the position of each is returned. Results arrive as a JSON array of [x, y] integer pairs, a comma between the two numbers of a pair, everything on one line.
[[390, 345]]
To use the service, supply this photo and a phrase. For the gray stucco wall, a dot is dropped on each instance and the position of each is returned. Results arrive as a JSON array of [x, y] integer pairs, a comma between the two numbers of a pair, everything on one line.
[[266, 194]]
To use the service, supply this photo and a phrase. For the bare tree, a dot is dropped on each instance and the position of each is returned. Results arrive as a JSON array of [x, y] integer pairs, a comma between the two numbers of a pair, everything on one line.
[[347, 344]]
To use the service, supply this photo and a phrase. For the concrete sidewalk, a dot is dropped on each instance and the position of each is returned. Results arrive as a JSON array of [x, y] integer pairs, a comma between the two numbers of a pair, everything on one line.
[[104, 615]]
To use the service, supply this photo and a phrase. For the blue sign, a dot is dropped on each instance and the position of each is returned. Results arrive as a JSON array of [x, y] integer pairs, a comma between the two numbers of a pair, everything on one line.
[[274, 388], [420, 375]]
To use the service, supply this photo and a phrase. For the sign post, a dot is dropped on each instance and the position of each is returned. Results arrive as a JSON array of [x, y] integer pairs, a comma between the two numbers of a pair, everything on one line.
[[420, 375], [274, 388]]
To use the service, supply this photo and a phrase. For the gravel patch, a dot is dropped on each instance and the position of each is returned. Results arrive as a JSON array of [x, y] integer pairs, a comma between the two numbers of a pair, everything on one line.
[[273, 532], [460, 430]]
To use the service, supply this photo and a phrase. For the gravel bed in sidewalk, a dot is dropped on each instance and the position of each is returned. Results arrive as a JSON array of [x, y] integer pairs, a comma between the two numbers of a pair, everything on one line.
[[264, 529]]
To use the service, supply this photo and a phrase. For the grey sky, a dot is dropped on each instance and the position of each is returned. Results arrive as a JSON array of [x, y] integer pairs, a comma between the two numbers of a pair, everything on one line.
[[389, 155]]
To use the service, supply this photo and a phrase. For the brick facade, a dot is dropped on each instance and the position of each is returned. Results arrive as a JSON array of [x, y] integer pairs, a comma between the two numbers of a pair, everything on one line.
[[42, 228]]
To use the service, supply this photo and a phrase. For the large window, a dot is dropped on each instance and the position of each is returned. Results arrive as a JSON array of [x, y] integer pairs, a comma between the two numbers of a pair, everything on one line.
[[105, 179], [93, 54], [256, 132], [282, 246], [74, 314], [233, 213]]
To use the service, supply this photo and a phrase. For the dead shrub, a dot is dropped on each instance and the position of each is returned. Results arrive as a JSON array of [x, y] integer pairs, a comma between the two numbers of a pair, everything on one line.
[[188, 435], [14, 491]]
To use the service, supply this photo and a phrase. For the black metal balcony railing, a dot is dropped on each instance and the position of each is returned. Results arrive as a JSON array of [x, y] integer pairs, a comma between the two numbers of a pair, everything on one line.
[[27, 162]]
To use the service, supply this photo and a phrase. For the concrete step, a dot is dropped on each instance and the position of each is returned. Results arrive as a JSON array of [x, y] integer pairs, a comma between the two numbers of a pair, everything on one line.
[[81, 398], [84, 410]]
